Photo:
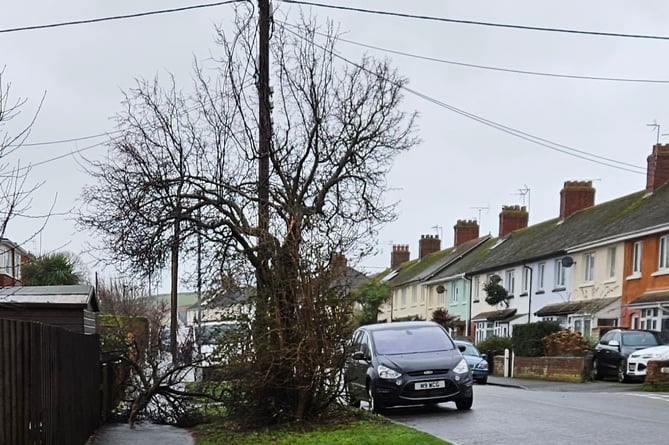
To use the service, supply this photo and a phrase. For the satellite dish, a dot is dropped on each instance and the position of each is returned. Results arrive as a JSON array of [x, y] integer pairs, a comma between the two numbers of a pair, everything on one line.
[[494, 279], [440, 289], [567, 261]]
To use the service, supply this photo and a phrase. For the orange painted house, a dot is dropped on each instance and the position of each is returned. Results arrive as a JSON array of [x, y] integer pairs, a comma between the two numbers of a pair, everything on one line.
[[646, 270]]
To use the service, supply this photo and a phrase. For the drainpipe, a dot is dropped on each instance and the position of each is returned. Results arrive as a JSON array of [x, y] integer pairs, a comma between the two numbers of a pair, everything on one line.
[[529, 295], [469, 311]]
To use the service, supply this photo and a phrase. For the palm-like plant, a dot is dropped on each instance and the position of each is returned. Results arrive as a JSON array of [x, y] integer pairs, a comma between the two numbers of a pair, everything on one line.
[[50, 270]]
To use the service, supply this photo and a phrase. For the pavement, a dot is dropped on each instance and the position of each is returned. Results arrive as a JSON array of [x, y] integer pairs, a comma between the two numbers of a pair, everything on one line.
[[141, 434], [547, 385], [151, 434]]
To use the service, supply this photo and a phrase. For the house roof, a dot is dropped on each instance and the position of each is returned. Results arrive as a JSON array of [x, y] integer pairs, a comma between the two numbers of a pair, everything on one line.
[[74, 295], [503, 314], [654, 296], [618, 217], [576, 307], [473, 257], [432, 265]]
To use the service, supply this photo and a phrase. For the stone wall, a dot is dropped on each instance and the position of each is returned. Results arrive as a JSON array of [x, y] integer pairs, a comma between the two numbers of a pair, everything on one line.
[[559, 369], [657, 373]]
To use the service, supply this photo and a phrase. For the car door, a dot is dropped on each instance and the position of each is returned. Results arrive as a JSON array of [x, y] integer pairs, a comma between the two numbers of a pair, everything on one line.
[[608, 352], [357, 364]]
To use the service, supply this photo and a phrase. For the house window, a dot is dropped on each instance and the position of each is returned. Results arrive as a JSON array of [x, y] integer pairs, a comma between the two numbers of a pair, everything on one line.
[[526, 280], [589, 267], [559, 274], [455, 293], [5, 264], [541, 269], [477, 288], [441, 299], [510, 281], [484, 329], [663, 262], [414, 295], [636, 258], [650, 319], [611, 262], [404, 296]]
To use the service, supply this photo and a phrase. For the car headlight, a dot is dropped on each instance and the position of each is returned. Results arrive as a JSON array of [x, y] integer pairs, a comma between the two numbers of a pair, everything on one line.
[[461, 367], [387, 373], [482, 365]]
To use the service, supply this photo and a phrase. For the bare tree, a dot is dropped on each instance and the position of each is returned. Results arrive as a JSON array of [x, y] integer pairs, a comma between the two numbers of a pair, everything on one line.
[[15, 192], [337, 128]]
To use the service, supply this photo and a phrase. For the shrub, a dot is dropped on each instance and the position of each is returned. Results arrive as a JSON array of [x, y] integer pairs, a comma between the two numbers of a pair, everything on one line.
[[495, 293], [565, 343], [527, 338], [494, 344]]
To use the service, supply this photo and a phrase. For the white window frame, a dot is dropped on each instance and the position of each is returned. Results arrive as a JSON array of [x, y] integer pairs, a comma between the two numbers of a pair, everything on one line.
[[403, 293], [526, 281], [541, 273], [559, 274], [414, 295], [651, 318], [636, 258], [589, 267], [510, 281], [477, 288], [611, 261], [663, 253]]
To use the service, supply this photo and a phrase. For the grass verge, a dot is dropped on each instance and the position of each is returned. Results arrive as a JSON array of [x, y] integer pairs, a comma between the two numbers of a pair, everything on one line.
[[364, 429]]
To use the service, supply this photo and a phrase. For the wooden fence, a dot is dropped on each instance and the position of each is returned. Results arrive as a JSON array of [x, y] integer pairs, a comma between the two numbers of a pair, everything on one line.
[[49, 384]]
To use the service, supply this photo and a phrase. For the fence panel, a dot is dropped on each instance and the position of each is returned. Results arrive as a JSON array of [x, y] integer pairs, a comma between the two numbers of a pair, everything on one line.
[[49, 384]]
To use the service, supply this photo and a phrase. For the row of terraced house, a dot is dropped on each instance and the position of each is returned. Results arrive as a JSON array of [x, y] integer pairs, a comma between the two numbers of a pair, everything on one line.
[[590, 268]]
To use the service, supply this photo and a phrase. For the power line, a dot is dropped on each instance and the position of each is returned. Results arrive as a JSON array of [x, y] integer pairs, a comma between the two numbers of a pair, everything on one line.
[[502, 69], [62, 141], [479, 23], [119, 17], [506, 129]]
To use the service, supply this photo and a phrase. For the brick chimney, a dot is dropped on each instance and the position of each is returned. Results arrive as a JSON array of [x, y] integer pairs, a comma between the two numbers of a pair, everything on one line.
[[399, 255], [658, 167], [428, 244], [512, 218], [465, 230], [575, 196], [338, 262]]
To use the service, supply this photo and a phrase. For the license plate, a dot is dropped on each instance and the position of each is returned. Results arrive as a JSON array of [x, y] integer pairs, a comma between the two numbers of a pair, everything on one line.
[[431, 385]]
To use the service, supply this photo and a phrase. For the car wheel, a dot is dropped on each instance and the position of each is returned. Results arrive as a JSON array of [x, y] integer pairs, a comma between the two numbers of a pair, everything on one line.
[[622, 372], [374, 405], [464, 403], [482, 381], [596, 373]]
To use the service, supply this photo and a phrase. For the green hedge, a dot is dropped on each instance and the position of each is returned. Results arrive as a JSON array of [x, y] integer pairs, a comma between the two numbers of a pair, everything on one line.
[[527, 337]]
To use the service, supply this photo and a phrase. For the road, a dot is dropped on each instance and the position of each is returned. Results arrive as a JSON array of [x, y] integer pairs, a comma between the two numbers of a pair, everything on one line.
[[511, 416]]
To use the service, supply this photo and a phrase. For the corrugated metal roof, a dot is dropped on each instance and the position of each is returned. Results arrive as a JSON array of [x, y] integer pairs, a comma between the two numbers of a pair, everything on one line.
[[80, 294]]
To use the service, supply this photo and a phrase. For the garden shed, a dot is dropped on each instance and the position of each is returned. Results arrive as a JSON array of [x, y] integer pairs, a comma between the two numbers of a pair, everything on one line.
[[70, 307]]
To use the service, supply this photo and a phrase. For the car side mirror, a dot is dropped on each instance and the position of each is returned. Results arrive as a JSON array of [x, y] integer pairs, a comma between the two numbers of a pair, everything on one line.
[[462, 348], [358, 355], [614, 343], [484, 356]]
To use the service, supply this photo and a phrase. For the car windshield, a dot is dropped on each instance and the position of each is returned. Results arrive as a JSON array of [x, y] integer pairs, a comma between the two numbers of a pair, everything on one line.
[[470, 350], [411, 340], [639, 339]]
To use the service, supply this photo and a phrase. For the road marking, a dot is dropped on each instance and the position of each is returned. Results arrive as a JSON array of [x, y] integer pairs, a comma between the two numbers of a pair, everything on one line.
[[655, 396]]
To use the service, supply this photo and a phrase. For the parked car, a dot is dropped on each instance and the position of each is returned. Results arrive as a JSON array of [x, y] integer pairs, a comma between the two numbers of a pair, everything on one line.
[[477, 362], [637, 362], [406, 363], [611, 353]]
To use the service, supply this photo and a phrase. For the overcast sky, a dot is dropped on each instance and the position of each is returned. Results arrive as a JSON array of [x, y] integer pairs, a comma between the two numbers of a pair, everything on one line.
[[463, 169]]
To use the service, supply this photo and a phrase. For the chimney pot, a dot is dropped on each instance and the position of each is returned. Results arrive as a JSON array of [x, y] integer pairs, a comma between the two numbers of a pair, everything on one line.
[[399, 255], [428, 244], [575, 196], [658, 167], [512, 218], [465, 230]]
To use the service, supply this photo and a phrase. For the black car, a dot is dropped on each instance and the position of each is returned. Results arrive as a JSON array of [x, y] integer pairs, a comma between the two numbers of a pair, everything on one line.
[[476, 361], [406, 363], [611, 353]]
